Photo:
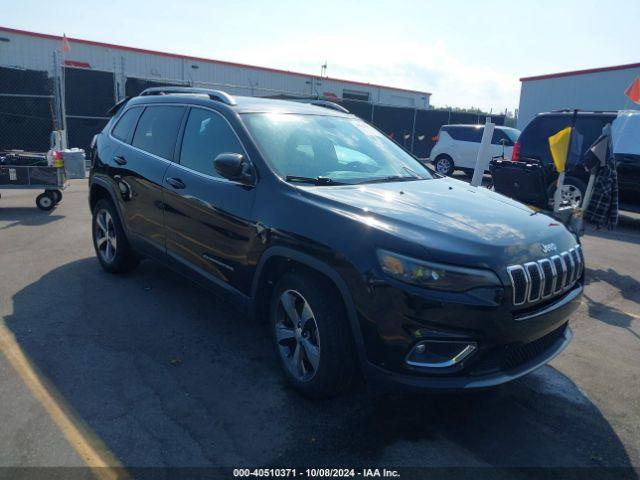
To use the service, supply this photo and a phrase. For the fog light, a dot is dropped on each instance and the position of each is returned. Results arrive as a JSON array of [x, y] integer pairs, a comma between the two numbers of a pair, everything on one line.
[[439, 353]]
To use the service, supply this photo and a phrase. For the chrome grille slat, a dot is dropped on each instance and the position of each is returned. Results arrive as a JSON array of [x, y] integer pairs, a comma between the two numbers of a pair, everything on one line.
[[518, 274], [546, 277], [578, 262], [535, 276], [571, 267], [549, 277]]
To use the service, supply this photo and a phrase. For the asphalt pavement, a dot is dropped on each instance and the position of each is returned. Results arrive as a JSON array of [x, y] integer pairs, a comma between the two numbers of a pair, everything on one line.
[[151, 370]]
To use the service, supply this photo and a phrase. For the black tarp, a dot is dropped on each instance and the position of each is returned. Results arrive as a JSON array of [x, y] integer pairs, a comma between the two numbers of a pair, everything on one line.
[[133, 86], [25, 122], [80, 131], [361, 109], [397, 123], [89, 93]]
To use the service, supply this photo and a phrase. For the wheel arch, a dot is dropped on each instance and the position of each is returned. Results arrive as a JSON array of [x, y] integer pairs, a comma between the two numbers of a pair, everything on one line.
[[278, 260], [100, 188]]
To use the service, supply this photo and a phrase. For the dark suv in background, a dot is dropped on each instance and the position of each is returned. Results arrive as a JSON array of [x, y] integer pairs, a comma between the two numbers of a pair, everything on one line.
[[362, 259], [533, 144]]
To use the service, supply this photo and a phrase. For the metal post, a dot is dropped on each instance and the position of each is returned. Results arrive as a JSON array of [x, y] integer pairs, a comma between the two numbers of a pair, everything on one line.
[[413, 132], [115, 82], [557, 196], [123, 79], [63, 103], [56, 92], [483, 153]]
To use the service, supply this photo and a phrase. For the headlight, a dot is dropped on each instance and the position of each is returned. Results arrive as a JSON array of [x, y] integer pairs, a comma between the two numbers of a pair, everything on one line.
[[437, 276]]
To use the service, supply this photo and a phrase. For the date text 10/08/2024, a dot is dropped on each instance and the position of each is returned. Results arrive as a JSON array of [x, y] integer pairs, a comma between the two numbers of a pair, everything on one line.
[[316, 473]]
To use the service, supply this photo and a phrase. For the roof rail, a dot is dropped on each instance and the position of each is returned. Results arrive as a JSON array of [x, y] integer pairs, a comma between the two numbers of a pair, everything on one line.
[[328, 104], [579, 110], [217, 95]]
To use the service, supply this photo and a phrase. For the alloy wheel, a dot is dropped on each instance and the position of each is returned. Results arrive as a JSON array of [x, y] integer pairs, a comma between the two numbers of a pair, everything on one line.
[[443, 166], [105, 233], [297, 335], [571, 195]]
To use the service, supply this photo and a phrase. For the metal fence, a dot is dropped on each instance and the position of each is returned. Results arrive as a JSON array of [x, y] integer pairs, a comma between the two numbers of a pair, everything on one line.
[[28, 109], [32, 105]]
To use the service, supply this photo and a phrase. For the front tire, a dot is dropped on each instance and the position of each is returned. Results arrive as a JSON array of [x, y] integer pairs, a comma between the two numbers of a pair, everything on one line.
[[109, 240], [444, 165], [312, 335]]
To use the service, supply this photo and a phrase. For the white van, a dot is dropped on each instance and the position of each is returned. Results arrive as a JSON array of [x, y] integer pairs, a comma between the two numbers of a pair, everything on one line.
[[457, 146]]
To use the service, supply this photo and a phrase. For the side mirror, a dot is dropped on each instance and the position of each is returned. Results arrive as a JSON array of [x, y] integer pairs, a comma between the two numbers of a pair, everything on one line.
[[232, 166]]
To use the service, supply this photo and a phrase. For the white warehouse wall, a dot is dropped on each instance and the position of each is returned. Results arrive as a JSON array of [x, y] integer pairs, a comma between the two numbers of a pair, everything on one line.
[[35, 51], [600, 90]]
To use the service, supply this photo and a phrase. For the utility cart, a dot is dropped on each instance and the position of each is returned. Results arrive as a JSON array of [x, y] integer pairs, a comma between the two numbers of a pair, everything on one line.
[[30, 171]]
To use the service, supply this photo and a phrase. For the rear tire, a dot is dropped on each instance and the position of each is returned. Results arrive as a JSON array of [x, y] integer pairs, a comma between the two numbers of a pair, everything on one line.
[[444, 165], [312, 335], [573, 191], [109, 240]]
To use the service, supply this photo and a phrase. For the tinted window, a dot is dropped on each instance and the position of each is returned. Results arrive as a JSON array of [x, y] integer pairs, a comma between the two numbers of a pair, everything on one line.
[[465, 134], [498, 136], [206, 135], [510, 135], [157, 130], [535, 137], [126, 123]]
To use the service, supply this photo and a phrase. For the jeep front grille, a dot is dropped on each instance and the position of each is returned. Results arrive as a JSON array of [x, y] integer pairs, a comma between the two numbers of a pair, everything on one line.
[[546, 277]]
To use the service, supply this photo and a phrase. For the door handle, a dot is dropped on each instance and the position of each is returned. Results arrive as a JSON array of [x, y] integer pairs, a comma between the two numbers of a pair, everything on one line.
[[175, 183], [120, 160]]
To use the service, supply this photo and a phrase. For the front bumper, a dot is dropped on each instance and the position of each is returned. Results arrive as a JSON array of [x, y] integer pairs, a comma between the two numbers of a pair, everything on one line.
[[511, 343], [385, 378]]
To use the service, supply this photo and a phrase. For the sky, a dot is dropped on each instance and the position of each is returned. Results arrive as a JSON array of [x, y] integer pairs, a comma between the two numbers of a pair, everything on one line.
[[466, 53]]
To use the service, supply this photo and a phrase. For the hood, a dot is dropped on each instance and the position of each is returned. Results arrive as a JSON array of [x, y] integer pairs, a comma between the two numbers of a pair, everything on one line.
[[450, 217]]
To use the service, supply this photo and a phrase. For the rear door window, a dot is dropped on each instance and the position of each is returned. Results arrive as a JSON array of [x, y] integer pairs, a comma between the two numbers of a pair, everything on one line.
[[535, 137], [498, 136], [591, 129], [465, 134], [122, 130], [157, 130]]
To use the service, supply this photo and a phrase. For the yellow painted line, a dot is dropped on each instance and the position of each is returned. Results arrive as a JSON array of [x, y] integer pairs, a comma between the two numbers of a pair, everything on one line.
[[103, 464]]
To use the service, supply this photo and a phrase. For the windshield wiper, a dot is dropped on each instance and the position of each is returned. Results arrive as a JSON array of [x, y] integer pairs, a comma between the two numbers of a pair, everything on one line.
[[313, 180], [391, 178]]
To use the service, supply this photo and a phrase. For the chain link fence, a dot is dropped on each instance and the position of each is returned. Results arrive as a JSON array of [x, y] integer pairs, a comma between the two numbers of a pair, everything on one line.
[[28, 109], [31, 106]]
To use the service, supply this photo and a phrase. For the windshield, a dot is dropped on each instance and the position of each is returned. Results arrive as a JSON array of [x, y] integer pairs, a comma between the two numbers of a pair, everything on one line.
[[333, 149]]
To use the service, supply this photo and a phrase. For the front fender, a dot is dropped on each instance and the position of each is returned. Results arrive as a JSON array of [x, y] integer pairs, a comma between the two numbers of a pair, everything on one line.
[[320, 267]]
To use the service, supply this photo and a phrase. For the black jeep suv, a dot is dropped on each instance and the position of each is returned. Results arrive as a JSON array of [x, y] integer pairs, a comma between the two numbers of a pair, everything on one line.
[[363, 260]]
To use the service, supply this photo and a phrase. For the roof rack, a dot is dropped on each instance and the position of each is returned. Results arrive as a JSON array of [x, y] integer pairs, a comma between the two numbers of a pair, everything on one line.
[[580, 110], [216, 95], [327, 104]]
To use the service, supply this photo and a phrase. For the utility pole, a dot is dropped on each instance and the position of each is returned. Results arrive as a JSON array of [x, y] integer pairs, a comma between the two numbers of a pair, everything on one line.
[[323, 69]]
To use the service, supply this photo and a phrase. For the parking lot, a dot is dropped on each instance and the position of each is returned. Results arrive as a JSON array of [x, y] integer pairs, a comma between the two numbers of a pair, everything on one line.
[[151, 370]]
